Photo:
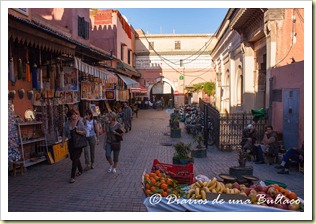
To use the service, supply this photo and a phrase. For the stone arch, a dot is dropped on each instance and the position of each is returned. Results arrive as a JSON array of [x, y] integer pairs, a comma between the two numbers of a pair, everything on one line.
[[158, 80], [239, 86]]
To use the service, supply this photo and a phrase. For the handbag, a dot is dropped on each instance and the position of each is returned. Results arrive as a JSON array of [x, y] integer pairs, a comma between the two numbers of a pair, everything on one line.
[[78, 141], [115, 146]]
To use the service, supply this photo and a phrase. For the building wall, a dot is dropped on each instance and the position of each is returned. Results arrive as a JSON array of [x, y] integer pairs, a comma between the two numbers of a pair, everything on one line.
[[289, 77], [288, 45], [66, 19], [289, 70], [108, 33], [104, 31], [195, 68]]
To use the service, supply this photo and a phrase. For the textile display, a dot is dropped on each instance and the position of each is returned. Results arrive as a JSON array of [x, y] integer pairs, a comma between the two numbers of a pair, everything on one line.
[[13, 146]]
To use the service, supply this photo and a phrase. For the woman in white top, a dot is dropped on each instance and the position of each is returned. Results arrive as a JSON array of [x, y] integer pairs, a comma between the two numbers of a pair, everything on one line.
[[92, 138]]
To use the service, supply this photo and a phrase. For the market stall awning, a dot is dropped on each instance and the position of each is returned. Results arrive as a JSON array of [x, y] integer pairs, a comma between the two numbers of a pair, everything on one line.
[[130, 83], [139, 89]]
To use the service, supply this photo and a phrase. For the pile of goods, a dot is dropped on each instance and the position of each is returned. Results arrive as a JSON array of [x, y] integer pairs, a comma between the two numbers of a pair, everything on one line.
[[160, 183], [271, 195]]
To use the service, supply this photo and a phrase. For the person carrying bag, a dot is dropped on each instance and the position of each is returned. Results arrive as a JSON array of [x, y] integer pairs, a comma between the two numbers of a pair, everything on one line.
[[92, 136], [75, 132], [112, 143]]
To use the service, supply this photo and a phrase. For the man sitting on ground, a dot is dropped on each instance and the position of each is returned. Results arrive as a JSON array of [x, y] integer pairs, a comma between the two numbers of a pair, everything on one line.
[[295, 155]]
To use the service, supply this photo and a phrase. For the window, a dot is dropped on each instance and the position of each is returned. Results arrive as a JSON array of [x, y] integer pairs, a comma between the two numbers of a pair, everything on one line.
[[122, 52], [151, 45], [129, 57], [83, 28], [177, 45]]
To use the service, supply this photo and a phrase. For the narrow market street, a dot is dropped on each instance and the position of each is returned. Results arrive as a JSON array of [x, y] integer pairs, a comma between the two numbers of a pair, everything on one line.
[[46, 188]]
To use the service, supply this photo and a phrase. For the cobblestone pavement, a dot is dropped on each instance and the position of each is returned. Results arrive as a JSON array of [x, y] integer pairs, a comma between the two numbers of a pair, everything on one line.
[[45, 188]]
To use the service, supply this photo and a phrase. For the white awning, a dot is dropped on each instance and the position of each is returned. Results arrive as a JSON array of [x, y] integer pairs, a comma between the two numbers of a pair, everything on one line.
[[89, 69], [130, 83]]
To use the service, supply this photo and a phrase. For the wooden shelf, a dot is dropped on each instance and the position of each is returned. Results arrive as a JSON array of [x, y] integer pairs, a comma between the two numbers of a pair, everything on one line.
[[28, 162], [33, 140], [30, 123]]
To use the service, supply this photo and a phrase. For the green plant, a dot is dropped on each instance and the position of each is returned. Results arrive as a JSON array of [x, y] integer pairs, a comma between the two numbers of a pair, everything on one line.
[[243, 157], [199, 139], [182, 150]]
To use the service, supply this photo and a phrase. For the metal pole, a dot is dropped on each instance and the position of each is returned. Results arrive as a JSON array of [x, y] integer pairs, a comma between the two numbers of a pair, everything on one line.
[[205, 124]]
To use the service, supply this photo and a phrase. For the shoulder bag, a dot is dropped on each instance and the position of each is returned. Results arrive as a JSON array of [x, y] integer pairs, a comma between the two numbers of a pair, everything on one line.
[[78, 141]]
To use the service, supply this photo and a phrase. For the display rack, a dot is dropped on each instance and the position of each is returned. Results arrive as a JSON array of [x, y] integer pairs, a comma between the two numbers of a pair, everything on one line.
[[37, 138]]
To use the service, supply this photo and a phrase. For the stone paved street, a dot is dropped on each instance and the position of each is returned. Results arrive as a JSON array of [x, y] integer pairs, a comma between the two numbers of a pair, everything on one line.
[[45, 188]]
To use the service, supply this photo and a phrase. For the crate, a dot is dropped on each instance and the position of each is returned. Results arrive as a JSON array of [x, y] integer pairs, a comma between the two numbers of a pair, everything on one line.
[[60, 152], [268, 182], [182, 173]]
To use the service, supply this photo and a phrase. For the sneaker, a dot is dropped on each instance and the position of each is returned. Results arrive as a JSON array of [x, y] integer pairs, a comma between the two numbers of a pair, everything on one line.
[[87, 168], [72, 180], [78, 174], [92, 166], [110, 169], [284, 172], [260, 162], [114, 170], [279, 167]]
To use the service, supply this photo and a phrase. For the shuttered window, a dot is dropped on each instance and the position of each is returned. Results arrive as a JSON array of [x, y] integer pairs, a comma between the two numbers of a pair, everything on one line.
[[83, 28], [177, 45]]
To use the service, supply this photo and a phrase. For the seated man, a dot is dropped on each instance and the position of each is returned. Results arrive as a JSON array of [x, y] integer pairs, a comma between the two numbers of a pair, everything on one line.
[[270, 145], [294, 154], [248, 138]]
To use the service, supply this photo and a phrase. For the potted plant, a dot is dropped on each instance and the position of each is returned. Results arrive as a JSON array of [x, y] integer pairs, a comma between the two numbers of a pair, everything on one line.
[[182, 153], [242, 169], [175, 130], [200, 150]]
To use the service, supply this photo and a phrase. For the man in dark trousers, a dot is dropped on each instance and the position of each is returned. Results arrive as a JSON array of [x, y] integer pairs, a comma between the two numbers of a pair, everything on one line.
[[127, 117]]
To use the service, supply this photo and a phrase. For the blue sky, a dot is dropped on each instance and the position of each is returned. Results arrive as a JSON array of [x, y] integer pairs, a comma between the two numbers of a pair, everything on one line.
[[178, 20]]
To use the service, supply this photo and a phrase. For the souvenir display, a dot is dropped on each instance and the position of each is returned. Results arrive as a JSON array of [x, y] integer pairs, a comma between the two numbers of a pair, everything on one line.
[[13, 146]]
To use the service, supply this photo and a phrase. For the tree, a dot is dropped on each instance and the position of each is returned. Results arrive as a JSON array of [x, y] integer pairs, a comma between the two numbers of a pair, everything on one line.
[[210, 88]]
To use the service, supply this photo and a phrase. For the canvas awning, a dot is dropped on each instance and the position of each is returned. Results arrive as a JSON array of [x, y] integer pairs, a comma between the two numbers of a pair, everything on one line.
[[139, 89], [130, 83]]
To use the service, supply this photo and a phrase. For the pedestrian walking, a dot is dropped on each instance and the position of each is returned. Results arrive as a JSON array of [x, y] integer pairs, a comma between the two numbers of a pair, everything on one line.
[[74, 124], [92, 129], [112, 142], [127, 117]]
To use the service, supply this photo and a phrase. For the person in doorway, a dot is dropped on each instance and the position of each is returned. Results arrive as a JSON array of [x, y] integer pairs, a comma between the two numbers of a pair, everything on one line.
[[127, 117], [74, 124], [112, 142], [92, 136], [270, 145], [294, 154], [135, 109], [162, 102], [154, 102]]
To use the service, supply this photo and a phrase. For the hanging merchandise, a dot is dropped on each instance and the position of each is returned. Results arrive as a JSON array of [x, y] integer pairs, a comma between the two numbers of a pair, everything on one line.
[[62, 81], [11, 71], [40, 72], [20, 69], [12, 94], [34, 77], [21, 93], [48, 71], [30, 94], [13, 147], [27, 67]]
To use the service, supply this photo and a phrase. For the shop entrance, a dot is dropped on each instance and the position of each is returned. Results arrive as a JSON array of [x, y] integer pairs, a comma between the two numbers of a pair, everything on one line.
[[162, 90]]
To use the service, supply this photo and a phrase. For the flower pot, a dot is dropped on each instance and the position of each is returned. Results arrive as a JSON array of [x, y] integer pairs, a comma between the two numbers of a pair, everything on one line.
[[199, 153], [238, 172], [175, 133], [182, 161]]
